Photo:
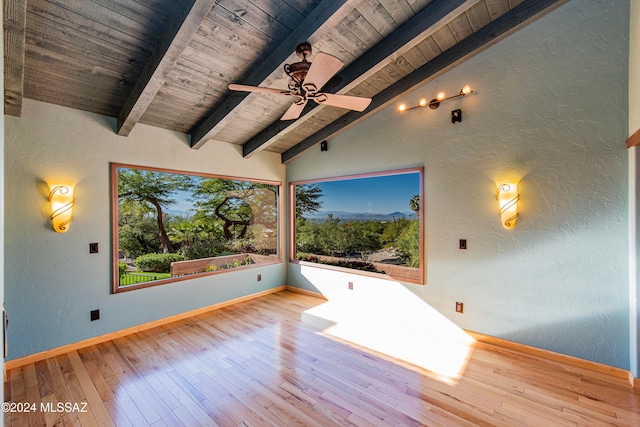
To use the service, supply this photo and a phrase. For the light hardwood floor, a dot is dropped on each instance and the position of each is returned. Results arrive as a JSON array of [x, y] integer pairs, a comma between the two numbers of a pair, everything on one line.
[[265, 363]]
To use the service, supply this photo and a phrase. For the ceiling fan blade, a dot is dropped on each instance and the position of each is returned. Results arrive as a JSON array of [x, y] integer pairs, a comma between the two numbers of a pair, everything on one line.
[[294, 111], [323, 67], [356, 103], [247, 88]]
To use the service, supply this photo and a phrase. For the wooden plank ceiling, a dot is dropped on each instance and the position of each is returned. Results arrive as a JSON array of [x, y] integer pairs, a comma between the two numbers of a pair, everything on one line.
[[167, 63]]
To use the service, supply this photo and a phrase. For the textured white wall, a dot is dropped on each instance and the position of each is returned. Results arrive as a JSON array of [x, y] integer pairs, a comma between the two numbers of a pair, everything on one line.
[[52, 280], [550, 109]]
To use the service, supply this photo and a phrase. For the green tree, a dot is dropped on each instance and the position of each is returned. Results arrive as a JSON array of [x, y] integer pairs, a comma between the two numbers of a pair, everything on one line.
[[236, 205], [307, 199], [137, 231], [153, 191], [333, 239], [208, 230], [414, 204], [336, 238], [391, 231], [408, 241], [203, 245], [184, 231], [363, 237], [408, 244], [308, 236]]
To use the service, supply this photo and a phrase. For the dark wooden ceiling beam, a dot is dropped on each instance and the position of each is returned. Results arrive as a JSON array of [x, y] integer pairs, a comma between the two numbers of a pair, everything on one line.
[[405, 37], [187, 20], [14, 23], [485, 37], [322, 19]]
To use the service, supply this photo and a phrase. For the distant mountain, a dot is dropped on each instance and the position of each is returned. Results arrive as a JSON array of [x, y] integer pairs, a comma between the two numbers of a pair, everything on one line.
[[360, 216]]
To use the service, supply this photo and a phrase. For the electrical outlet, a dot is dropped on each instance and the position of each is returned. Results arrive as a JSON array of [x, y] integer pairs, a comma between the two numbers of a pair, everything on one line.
[[259, 277], [350, 286], [463, 243], [459, 307], [95, 315]]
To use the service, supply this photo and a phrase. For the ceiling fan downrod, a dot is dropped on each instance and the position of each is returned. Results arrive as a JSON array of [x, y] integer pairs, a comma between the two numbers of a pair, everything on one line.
[[297, 71]]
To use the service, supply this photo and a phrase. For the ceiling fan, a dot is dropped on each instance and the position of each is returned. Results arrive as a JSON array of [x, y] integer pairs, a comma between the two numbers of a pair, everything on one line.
[[306, 81]]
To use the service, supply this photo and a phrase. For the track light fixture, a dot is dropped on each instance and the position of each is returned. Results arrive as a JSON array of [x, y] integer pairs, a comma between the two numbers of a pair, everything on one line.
[[435, 102]]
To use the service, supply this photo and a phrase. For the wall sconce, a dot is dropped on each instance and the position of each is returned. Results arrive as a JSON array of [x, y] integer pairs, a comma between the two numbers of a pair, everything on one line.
[[507, 195], [435, 102], [62, 201]]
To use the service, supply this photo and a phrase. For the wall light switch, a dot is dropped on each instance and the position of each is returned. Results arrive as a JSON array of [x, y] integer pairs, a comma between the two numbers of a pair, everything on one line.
[[93, 248], [463, 243], [456, 116], [459, 307]]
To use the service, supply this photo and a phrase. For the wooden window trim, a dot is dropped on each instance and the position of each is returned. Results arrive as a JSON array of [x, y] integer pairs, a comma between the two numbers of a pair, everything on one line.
[[634, 140], [292, 224], [116, 288]]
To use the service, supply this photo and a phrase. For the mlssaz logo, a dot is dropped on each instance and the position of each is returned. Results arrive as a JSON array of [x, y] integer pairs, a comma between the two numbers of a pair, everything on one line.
[[63, 407]]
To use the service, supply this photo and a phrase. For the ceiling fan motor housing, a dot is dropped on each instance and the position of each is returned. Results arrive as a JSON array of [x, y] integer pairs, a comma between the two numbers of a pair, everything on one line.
[[297, 72]]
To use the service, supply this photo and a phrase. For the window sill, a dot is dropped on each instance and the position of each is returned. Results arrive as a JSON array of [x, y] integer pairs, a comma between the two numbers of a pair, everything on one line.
[[386, 276], [265, 261]]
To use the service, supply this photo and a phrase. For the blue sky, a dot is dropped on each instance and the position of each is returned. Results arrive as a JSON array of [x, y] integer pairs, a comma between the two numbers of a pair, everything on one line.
[[380, 194], [182, 204]]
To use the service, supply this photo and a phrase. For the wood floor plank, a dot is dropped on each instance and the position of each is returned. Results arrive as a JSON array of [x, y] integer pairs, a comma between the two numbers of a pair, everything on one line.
[[130, 409], [94, 401], [265, 362], [60, 393], [32, 394], [118, 414]]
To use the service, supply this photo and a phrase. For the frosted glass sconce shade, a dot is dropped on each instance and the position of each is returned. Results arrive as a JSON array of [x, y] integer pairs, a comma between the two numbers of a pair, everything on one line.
[[61, 198], [507, 195]]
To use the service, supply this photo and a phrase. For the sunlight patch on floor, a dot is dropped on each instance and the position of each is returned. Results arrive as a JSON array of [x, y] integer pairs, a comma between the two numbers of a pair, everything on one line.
[[391, 320]]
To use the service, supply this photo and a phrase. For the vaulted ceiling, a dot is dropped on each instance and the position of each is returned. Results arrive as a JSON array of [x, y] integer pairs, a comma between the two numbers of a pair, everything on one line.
[[168, 63]]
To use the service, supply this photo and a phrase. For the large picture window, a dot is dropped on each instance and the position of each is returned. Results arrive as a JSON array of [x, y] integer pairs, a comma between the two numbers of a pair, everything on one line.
[[170, 225], [368, 223]]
